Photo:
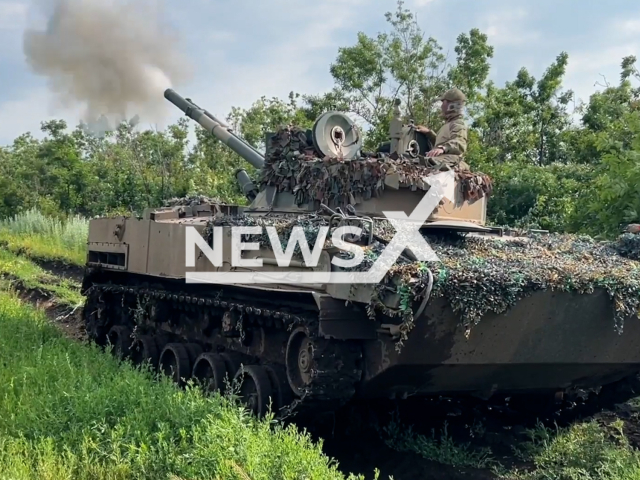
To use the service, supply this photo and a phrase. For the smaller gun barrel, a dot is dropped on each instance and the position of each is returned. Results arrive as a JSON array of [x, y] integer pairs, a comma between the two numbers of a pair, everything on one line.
[[218, 130], [246, 185]]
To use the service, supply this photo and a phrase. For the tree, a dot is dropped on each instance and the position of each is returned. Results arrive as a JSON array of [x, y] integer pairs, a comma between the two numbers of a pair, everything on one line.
[[548, 171], [268, 115], [402, 64], [472, 65], [525, 119]]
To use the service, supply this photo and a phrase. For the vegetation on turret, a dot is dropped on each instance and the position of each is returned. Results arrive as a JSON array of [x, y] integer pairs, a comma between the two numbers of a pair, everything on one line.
[[294, 167]]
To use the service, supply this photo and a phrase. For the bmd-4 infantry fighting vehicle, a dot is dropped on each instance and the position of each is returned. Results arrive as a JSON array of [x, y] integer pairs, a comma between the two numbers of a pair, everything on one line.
[[320, 345]]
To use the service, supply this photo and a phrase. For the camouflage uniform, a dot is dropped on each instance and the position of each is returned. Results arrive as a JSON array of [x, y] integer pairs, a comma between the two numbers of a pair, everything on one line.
[[452, 136]]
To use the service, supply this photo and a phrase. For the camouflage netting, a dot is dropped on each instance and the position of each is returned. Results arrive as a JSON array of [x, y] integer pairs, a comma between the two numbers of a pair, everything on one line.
[[628, 245], [481, 275], [294, 167], [284, 227], [191, 201], [478, 275]]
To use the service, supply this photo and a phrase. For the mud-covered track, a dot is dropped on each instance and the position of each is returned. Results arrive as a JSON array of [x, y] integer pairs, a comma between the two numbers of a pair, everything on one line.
[[176, 331]]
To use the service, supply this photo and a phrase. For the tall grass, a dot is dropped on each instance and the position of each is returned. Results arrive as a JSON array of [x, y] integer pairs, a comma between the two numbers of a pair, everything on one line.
[[72, 411], [47, 237]]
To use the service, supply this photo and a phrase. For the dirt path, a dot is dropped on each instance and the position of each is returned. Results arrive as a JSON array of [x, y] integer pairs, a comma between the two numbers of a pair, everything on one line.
[[67, 318], [60, 269]]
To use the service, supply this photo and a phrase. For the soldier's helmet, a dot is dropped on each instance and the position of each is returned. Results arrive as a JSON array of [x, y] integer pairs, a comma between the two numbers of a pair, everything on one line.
[[455, 102], [453, 95]]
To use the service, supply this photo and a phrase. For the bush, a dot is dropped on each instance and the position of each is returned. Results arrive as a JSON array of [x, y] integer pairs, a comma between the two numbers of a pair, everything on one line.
[[586, 451], [532, 196], [47, 236]]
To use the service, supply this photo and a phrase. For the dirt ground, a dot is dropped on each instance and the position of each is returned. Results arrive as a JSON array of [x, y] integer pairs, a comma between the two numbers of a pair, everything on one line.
[[61, 269], [69, 320]]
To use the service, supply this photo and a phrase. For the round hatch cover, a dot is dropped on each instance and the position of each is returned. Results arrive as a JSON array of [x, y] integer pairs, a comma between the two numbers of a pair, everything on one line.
[[336, 135]]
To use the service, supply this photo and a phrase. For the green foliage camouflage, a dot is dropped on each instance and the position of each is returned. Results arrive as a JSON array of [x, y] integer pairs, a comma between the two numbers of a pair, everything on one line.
[[478, 275], [283, 224], [628, 245], [292, 166]]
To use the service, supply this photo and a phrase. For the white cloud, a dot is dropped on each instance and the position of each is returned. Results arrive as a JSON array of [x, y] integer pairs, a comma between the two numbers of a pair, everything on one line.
[[221, 36], [508, 28], [221, 82], [629, 27], [297, 56], [289, 66], [591, 68], [599, 60], [12, 15]]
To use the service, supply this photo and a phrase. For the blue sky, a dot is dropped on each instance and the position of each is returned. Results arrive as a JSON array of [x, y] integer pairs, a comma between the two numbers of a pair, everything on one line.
[[243, 49]]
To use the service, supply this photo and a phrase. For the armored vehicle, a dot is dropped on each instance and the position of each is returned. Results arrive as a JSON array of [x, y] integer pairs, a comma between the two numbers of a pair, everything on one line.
[[318, 345]]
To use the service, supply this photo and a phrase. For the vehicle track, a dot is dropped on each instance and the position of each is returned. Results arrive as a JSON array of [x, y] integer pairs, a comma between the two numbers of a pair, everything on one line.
[[335, 372], [279, 342]]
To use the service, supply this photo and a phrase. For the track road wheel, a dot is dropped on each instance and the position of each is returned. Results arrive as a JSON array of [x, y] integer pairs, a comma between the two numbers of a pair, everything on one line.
[[299, 360], [282, 393], [175, 362], [145, 349], [120, 338], [255, 389], [210, 371]]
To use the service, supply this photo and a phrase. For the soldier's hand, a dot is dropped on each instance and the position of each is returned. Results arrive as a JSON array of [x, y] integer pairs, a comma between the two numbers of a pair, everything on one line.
[[435, 152], [422, 129]]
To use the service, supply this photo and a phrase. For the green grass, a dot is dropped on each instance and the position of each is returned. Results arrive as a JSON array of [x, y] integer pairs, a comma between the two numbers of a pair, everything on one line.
[[69, 411], [437, 448], [584, 451], [39, 236], [32, 276]]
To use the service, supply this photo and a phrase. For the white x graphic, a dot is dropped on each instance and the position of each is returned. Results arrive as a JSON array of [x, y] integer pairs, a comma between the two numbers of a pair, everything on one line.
[[407, 237]]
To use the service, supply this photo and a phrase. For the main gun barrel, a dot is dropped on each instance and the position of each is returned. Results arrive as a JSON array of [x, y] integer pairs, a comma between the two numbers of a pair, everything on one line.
[[215, 119], [216, 128]]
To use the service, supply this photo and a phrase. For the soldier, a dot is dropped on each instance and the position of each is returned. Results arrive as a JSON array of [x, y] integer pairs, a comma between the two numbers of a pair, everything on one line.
[[451, 140]]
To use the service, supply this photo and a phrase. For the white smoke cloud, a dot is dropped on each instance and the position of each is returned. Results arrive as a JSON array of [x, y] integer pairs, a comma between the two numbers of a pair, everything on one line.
[[113, 58]]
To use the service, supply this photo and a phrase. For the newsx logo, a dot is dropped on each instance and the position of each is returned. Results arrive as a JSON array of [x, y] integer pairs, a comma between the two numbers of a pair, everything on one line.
[[407, 236]]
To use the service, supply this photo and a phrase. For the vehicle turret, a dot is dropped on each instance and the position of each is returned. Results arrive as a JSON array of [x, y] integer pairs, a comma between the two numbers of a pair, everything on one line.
[[302, 170]]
